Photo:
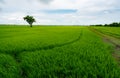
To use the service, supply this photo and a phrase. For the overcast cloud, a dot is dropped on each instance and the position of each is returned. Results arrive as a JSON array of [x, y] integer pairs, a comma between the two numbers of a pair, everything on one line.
[[72, 12], [46, 1]]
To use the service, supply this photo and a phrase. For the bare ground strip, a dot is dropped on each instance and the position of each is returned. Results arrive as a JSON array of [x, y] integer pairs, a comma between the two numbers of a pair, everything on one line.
[[112, 40]]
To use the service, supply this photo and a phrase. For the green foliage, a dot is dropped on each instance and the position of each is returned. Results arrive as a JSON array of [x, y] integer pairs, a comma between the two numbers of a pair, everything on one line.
[[114, 24], [55, 52], [29, 19], [82, 59], [113, 31], [8, 67], [17, 39]]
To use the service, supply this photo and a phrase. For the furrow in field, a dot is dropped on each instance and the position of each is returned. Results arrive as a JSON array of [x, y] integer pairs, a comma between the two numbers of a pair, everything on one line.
[[49, 46], [16, 53], [72, 61], [23, 73], [112, 40]]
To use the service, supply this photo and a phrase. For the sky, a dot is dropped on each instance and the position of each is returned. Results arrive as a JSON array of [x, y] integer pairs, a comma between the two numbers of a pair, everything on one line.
[[60, 12]]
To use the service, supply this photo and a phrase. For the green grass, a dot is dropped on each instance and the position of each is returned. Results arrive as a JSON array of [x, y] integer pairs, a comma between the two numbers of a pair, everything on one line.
[[17, 39], [8, 67], [55, 52], [113, 31]]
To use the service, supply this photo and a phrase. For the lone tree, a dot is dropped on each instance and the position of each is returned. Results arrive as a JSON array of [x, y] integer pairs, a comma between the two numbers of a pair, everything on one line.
[[29, 19]]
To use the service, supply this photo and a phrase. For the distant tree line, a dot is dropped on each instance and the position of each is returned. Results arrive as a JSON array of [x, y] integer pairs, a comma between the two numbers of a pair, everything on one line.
[[114, 24]]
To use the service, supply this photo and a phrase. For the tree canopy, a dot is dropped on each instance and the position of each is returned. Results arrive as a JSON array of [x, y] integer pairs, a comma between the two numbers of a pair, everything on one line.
[[29, 19]]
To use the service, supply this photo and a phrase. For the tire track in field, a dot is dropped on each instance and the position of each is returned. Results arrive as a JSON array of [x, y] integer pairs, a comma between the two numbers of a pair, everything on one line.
[[16, 55], [50, 46], [18, 61], [110, 39]]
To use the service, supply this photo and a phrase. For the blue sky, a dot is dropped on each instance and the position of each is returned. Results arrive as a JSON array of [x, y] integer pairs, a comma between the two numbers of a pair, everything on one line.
[[60, 12]]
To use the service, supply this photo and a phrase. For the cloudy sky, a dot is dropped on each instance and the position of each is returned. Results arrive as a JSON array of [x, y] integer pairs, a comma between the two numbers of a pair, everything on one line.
[[63, 12]]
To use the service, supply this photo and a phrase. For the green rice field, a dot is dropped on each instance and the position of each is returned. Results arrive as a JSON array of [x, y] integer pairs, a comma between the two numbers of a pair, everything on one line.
[[113, 31], [56, 52]]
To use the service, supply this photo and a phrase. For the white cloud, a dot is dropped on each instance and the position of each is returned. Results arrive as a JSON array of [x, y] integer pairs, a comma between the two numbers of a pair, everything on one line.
[[88, 11]]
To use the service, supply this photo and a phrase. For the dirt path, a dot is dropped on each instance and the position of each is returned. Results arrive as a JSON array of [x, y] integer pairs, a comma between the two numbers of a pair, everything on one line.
[[112, 40]]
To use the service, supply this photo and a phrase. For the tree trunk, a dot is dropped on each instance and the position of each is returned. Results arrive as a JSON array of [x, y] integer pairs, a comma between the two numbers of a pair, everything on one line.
[[30, 25]]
